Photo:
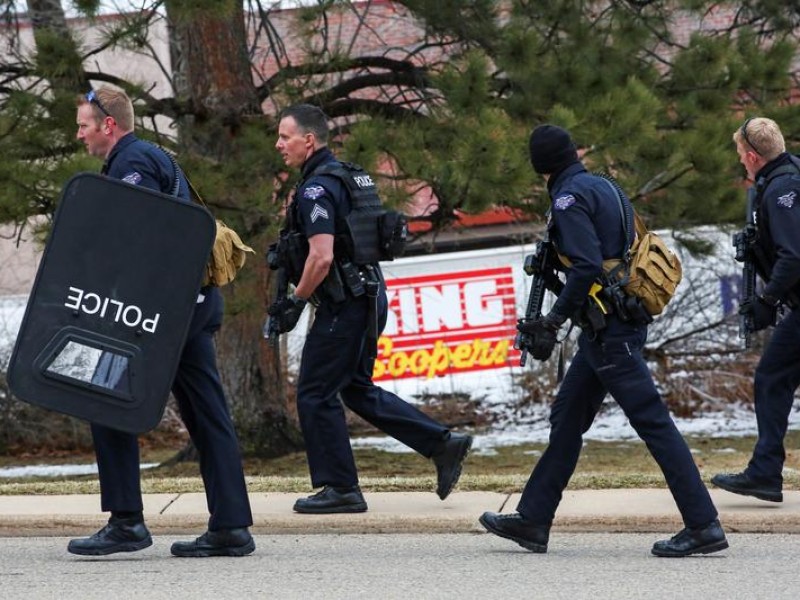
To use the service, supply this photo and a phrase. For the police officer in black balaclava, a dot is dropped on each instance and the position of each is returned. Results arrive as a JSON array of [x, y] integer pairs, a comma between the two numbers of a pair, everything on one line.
[[586, 228]]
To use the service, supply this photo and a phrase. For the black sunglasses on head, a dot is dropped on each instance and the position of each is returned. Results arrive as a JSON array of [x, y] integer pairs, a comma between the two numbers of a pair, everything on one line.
[[743, 131], [92, 98]]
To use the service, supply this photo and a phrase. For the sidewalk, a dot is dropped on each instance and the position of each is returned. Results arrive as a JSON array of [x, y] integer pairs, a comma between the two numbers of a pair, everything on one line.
[[638, 510]]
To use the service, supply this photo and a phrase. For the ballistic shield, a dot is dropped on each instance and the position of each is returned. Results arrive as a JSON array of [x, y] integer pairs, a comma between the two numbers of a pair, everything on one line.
[[111, 304]]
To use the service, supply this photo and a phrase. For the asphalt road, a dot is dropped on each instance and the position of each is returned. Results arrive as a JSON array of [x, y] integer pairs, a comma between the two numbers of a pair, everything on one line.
[[464, 566]]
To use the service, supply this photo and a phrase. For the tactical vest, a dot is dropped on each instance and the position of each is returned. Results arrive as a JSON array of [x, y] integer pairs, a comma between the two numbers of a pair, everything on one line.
[[369, 233], [365, 236]]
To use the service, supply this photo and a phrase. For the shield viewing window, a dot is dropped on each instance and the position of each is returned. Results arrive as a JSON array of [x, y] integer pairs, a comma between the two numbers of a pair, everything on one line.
[[82, 358], [89, 365]]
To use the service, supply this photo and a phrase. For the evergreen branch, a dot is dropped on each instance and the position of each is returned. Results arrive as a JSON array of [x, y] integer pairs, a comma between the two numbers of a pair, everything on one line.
[[353, 106], [661, 181], [289, 73], [372, 80], [113, 40], [16, 71]]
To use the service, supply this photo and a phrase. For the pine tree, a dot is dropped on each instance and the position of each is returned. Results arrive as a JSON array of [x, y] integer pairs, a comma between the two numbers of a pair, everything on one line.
[[650, 99]]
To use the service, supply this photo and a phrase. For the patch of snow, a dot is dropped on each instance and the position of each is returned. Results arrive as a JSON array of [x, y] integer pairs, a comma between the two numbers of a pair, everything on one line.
[[610, 425], [55, 470]]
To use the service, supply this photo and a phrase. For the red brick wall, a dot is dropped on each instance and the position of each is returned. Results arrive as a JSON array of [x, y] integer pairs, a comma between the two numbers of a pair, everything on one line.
[[378, 28]]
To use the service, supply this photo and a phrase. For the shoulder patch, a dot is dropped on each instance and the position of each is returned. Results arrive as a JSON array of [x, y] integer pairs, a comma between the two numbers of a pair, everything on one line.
[[133, 178], [318, 213], [313, 192], [787, 200], [564, 202]]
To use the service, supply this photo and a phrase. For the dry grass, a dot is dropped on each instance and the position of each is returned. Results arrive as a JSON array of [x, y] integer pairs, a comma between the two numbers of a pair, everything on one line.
[[602, 465]]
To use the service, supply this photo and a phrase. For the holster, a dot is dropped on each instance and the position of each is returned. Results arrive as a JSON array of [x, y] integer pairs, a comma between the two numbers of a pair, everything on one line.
[[332, 287], [352, 278], [627, 308], [591, 318]]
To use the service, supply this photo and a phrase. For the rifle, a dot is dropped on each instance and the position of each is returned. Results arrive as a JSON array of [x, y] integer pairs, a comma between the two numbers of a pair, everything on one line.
[[271, 330], [744, 242], [539, 266]]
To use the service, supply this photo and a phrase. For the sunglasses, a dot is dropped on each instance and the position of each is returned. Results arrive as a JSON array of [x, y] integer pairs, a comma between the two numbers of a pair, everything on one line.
[[743, 131], [92, 98]]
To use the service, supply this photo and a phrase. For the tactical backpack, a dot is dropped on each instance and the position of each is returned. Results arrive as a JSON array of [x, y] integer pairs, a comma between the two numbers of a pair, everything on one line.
[[648, 270], [371, 233], [228, 254]]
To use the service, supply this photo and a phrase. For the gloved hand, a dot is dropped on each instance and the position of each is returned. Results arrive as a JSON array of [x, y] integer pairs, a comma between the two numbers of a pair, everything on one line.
[[286, 312], [762, 314], [539, 336]]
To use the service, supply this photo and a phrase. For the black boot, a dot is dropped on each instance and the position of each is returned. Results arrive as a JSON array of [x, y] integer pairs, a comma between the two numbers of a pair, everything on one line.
[[448, 458], [741, 483], [517, 528], [118, 536], [333, 500], [225, 542], [698, 540]]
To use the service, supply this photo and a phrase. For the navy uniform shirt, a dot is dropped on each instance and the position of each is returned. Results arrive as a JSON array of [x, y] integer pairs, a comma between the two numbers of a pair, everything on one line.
[[778, 221], [586, 226], [138, 162], [319, 199]]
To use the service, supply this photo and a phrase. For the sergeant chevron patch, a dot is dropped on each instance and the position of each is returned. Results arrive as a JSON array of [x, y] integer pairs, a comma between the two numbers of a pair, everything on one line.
[[318, 213]]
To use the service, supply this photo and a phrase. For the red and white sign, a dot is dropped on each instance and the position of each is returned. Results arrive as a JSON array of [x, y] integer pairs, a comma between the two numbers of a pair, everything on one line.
[[451, 324], [448, 323]]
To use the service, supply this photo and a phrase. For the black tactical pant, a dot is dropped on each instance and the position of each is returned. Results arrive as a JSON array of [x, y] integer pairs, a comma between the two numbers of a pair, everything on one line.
[[612, 363], [201, 401], [335, 368], [776, 380]]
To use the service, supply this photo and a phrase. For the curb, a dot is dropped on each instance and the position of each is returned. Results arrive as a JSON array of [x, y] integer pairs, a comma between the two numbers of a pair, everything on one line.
[[608, 511]]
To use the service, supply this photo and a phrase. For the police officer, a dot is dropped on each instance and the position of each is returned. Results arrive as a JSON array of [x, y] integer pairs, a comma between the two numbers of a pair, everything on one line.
[[105, 126], [776, 176], [337, 361], [585, 226]]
